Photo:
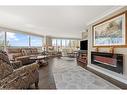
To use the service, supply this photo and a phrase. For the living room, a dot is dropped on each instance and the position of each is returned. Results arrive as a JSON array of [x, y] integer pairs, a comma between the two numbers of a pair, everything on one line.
[[63, 48]]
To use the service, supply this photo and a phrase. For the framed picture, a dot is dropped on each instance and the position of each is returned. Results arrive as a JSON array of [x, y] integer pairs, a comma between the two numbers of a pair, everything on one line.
[[111, 32]]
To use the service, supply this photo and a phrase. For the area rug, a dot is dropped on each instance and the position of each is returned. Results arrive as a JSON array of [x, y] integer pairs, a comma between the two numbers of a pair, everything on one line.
[[68, 75]]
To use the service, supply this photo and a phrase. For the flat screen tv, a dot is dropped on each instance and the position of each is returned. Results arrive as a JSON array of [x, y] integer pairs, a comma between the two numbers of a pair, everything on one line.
[[84, 45]]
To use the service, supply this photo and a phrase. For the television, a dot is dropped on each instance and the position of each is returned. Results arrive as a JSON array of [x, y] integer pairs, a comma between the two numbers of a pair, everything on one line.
[[84, 45]]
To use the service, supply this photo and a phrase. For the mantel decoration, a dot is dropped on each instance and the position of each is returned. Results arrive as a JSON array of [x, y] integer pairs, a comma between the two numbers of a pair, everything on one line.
[[111, 50], [97, 49], [111, 32]]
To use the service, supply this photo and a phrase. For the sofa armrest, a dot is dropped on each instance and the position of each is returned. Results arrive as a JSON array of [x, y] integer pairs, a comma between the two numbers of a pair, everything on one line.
[[16, 64], [21, 77], [24, 59], [29, 68]]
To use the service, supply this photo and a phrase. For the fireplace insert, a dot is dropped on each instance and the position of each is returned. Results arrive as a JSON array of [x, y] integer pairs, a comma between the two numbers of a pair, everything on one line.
[[110, 61]]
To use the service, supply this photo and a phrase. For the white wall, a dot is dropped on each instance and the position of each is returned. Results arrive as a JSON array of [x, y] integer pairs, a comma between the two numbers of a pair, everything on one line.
[[117, 76], [85, 35]]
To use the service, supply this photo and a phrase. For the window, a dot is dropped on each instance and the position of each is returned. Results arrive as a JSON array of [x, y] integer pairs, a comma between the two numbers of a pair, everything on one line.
[[2, 38], [67, 43], [17, 40], [36, 41], [58, 42], [54, 42], [72, 43], [63, 43]]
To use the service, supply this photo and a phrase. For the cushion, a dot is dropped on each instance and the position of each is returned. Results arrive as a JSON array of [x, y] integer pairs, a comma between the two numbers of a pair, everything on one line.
[[34, 50], [28, 51], [4, 57], [15, 55], [24, 52]]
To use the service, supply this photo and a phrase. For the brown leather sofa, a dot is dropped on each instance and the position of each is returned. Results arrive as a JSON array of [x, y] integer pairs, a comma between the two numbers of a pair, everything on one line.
[[19, 78], [22, 54]]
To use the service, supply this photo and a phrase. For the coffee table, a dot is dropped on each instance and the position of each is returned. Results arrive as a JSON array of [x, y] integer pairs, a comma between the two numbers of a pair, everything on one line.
[[41, 60]]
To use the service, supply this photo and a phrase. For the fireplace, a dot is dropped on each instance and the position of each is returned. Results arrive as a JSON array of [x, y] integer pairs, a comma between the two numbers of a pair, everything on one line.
[[110, 61]]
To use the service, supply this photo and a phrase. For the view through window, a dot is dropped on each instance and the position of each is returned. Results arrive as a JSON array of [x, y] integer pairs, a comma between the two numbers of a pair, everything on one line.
[[65, 43], [19, 40], [36, 41]]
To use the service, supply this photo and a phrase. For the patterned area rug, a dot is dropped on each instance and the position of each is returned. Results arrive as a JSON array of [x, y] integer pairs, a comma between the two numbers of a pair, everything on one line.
[[68, 75]]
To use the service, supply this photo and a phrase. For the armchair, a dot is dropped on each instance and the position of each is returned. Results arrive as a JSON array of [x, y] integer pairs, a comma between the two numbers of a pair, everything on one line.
[[19, 78]]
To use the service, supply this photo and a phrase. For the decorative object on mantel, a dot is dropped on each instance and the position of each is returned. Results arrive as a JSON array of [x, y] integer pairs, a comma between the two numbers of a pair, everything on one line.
[[97, 49], [111, 50], [109, 61], [111, 32]]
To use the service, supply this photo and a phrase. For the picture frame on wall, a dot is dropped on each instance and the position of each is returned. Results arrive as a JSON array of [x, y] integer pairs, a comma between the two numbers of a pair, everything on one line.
[[111, 32]]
